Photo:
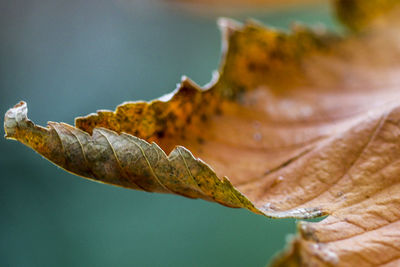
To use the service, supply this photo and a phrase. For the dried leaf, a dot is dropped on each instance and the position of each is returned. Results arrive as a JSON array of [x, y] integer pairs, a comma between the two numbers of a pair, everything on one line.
[[304, 124]]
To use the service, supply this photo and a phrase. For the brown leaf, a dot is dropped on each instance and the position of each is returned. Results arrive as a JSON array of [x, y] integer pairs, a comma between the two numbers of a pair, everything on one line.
[[304, 124]]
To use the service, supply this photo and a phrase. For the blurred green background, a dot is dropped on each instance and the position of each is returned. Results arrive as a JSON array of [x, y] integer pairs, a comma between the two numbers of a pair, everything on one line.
[[71, 57]]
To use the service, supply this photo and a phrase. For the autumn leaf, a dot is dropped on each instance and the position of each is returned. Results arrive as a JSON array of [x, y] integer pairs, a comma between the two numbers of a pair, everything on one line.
[[301, 124]]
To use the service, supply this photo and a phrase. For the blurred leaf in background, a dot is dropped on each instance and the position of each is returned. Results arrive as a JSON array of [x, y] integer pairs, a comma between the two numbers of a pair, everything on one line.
[[97, 54], [241, 7]]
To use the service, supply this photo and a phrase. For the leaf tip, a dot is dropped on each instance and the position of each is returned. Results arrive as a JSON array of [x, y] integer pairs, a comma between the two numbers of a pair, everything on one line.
[[225, 23], [227, 27], [13, 117]]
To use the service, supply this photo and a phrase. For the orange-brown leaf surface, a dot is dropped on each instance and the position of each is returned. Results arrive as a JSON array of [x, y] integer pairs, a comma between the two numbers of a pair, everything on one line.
[[300, 124]]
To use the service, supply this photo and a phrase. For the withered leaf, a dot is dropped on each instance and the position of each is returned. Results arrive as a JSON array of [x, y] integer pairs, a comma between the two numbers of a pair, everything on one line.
[[297, 125]]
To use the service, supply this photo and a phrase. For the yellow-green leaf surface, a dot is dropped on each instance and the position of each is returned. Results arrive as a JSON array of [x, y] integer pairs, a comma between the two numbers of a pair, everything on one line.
[[300, 124]]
